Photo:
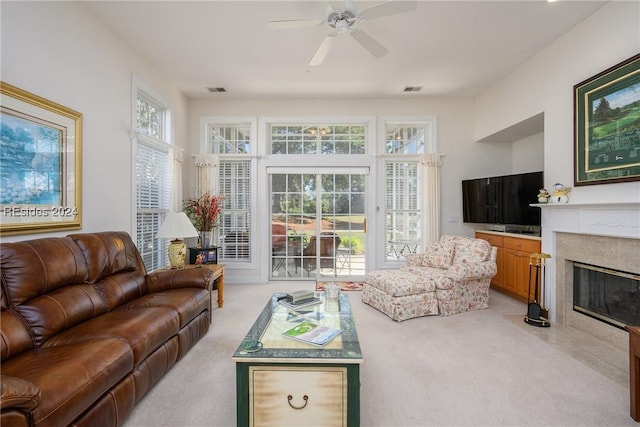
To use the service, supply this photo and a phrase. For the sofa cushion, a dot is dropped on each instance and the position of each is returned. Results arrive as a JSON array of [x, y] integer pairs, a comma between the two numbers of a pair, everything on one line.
[[60, 309], [71, 376], [187, 302], [120, 288], [15, 337], [108, 253], [144, 329], [35, 267], [438, 254]]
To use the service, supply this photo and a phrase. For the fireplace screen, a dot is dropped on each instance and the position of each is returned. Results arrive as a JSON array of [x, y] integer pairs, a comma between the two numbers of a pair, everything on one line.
[[608, 295]]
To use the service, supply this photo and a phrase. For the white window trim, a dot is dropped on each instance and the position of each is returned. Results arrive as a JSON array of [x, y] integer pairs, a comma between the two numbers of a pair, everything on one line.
[[430, 123], [368, 121], [256, 255], [169, 132], [271, 161]]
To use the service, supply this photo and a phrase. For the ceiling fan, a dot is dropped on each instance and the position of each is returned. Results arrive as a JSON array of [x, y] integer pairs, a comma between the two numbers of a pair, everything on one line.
[[345, 20]]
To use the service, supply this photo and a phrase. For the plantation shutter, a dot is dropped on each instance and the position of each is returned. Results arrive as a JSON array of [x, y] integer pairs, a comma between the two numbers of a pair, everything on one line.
[[153, 192], [235, 219], [402, 207]]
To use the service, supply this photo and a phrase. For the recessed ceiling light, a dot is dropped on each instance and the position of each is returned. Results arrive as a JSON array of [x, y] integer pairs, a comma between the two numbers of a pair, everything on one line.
[[216, 89]]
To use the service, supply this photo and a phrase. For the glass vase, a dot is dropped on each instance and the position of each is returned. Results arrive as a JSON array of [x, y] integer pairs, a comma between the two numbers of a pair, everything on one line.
[[206, 239]]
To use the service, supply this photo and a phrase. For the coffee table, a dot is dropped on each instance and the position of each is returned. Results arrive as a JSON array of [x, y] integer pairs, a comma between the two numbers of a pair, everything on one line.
[[290, 383]]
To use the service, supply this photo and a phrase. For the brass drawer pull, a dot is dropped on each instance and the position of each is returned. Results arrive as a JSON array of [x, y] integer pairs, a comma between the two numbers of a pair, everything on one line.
[[305, 398]]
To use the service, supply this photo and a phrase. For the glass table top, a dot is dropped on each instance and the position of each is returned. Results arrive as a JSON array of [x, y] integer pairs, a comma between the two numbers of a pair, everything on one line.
[[275, 319]]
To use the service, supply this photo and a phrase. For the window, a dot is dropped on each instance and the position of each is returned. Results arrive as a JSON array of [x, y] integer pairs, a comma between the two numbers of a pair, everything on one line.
[[318, 139], [153, 178], [402, 208], [233, 143], [235, 221], [403, 180]]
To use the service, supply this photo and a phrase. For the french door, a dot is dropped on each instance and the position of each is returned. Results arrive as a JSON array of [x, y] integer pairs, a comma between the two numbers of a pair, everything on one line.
[[318, 223]]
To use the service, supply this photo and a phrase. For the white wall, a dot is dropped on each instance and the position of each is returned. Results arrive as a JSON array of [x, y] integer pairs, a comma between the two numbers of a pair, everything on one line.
[[528, 154], [59, 51], [463, 157], [545, 83]]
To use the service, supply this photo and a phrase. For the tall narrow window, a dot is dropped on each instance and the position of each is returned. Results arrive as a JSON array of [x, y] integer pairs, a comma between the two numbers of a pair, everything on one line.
[[232, 143], [153, 178], [402, 208], [403, 182]]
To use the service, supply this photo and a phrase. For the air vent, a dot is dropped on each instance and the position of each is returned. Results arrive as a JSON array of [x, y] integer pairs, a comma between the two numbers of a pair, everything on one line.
[[412, 88], [216, 89]]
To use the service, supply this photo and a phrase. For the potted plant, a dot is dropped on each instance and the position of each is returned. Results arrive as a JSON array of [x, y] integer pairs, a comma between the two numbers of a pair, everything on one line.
[[204, 213]]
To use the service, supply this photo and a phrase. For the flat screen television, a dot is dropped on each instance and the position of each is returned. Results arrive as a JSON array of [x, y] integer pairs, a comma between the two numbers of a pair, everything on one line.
[[502, 199]]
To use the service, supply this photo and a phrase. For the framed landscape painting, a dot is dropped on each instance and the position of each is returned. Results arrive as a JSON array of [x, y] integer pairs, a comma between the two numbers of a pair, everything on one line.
[[40, 164], [607, 125]]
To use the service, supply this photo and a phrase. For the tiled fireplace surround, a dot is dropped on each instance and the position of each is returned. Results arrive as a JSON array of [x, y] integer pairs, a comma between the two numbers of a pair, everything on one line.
[[606, 235]]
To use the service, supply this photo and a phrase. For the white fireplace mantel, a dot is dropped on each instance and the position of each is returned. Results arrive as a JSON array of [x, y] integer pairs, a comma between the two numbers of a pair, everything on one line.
[[604, 219], [620, 219]]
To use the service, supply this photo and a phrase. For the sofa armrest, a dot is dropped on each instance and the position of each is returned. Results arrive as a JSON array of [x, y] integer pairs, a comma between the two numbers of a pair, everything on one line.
[[473, 270], [180, 278], [16, 393]]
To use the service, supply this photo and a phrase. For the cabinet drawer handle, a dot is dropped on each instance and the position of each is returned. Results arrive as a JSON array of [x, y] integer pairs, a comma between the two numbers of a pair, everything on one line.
[[305, 398]]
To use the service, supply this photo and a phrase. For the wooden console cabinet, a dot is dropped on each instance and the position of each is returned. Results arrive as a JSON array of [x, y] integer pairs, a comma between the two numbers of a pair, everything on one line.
[[513, 262]]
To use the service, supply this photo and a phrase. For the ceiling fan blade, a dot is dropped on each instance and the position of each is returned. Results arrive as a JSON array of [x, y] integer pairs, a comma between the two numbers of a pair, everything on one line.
[[369, 43], [322, 51], [387, 9], [294, 23]]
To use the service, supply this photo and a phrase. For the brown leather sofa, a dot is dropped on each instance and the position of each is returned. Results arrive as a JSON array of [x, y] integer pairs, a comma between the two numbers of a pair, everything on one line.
[[86, 332]]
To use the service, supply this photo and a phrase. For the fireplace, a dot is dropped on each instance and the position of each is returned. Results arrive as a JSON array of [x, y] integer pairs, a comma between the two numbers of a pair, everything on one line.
[[596, 234], [608, 295]]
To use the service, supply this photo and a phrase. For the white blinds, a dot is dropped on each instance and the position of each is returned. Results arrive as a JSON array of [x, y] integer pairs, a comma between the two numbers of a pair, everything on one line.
[[235, 224], [153, 193]]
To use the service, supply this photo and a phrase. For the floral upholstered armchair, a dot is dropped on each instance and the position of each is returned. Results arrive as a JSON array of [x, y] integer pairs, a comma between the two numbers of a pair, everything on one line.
[[461, 269]]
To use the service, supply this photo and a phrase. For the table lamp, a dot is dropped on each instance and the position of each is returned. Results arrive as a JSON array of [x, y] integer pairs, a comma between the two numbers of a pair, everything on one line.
[[177, 226]]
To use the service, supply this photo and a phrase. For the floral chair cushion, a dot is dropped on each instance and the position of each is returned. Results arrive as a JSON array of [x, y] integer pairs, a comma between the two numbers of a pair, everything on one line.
[[438, 254], [468, 250]]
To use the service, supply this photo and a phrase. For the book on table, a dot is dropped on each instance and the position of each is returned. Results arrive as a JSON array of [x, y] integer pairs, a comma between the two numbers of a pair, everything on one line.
[[312, 333], [302, 304]]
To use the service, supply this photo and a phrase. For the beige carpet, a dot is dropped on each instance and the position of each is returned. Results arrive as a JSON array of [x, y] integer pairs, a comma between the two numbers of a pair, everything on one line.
[[483, 368]]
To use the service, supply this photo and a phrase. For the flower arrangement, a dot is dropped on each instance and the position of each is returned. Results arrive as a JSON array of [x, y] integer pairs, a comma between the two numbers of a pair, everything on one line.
[[204, 212]]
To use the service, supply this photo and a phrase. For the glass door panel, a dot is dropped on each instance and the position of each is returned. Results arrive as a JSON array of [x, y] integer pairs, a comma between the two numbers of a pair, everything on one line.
[[318, 226]]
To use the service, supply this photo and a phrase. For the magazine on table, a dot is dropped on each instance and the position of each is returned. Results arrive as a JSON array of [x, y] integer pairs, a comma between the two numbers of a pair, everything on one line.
[[312, 333]]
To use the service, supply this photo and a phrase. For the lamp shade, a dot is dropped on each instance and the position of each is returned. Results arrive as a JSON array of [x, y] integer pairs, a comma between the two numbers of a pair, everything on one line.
[[176, 226]]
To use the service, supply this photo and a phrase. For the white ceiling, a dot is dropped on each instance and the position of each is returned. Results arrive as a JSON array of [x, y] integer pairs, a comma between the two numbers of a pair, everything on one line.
[[451, 48]]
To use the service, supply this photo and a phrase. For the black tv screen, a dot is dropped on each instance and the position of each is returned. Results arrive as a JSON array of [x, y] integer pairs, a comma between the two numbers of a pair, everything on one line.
[[502, 199]]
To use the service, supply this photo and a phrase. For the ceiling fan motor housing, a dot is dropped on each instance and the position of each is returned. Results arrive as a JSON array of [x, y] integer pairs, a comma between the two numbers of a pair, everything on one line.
[[341, 19]]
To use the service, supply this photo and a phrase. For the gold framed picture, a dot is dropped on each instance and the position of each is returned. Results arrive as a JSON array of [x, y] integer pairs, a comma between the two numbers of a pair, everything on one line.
[[40, 164]]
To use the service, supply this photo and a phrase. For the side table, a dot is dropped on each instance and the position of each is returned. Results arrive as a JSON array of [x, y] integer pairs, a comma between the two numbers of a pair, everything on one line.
[[218, 275]]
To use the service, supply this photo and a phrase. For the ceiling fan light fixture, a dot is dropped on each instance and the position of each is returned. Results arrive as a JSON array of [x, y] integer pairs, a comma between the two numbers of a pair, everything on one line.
[[342, 26], [345, 20]]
